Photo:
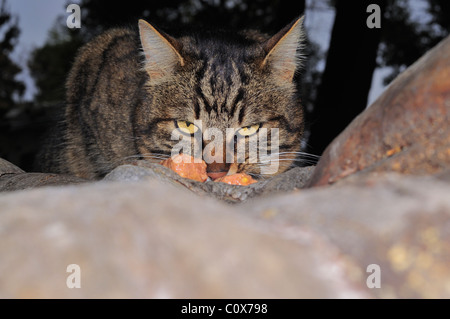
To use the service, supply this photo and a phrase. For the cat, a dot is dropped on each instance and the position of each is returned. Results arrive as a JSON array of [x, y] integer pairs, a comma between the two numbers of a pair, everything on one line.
[[128, 90]]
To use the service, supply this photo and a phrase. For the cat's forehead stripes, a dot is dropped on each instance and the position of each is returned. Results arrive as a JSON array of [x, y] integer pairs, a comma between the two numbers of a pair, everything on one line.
[[220, 85]]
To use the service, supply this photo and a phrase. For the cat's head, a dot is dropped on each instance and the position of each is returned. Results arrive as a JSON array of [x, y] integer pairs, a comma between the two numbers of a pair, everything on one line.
[[221, 93]]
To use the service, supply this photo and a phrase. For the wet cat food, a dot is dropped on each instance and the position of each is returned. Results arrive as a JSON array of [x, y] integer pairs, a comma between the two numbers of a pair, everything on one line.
[[237, 179], [185, 166]]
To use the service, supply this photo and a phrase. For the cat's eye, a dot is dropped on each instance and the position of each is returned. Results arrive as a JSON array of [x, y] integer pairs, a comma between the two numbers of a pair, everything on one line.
[[186, 127], [249, 130]]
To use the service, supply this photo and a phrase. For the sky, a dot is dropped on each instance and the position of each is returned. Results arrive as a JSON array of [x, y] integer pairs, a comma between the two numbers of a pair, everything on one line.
[[35, 20], [37, 17]]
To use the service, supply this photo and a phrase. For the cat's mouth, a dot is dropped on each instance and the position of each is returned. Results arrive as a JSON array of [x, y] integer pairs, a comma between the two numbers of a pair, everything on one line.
[[216, 175], [218, 170]]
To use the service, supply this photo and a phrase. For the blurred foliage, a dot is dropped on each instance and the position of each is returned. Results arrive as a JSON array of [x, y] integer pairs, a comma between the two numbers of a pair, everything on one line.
[[9, 86], [405, 40], [440, 12], [50, 64], [266, 15]]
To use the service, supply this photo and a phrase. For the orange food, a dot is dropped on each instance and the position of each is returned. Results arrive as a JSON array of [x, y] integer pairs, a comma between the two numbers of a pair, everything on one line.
[[237, 179], [184, 166], [393, 151]]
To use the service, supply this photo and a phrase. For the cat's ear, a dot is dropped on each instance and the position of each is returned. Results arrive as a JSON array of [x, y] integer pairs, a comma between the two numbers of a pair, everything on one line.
[[283, 51], [161, 52]]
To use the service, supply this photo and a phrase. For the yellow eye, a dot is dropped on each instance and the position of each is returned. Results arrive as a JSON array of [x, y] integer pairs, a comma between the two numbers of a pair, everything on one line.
[[186, 127], [249, 130]]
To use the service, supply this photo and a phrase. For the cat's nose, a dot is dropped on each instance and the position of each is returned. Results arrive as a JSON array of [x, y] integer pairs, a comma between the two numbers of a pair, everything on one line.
[[217, 170]]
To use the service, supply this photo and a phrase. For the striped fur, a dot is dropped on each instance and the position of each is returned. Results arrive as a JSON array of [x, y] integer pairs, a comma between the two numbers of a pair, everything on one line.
[[123, 100]]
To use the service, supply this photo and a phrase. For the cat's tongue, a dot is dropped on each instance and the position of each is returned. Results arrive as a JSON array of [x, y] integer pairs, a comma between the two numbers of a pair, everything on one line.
[[216, 175]]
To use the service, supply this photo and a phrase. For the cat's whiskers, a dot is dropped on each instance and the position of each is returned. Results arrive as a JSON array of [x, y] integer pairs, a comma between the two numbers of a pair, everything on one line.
[[285, 160], [289, 156], [155, 157], [298, 154]]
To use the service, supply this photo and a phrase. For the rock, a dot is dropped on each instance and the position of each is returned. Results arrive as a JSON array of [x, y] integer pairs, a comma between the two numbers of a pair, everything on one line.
[[400, 223], [147, 239], [407, 130], [13, 178], [8, 168], [291, 180], [15, 182]]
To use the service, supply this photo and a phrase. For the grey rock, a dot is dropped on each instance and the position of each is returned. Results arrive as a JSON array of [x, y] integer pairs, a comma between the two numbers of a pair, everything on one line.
[[20, 181], [13, 178], [147, 239], [400, 223], [8, 168], [291, 180]]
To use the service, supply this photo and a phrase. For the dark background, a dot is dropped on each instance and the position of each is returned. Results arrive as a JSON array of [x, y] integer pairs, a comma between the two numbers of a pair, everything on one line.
[[331, 97]]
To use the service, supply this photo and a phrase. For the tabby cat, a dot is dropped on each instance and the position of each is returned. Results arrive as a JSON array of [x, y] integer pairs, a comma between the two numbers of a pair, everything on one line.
[[128, 90]]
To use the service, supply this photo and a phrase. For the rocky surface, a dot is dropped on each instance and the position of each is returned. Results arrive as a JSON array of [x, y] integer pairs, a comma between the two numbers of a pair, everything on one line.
[[400, 223], [130, 243], [406, 130], [291, 180], [13, 178], [150, 239], [373, 212]]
